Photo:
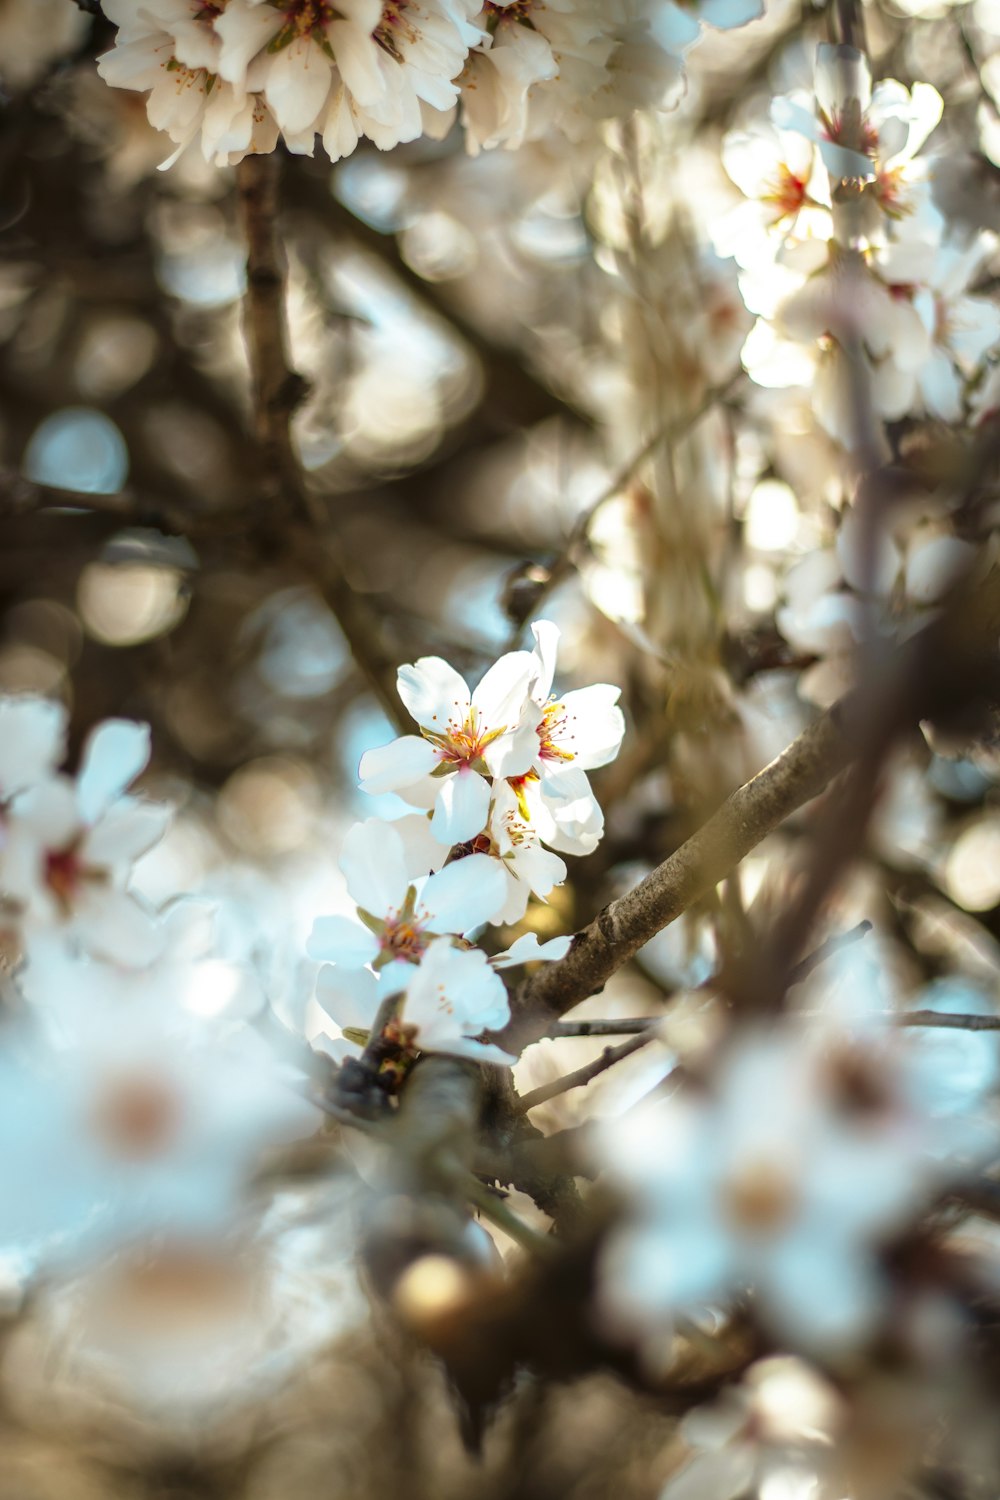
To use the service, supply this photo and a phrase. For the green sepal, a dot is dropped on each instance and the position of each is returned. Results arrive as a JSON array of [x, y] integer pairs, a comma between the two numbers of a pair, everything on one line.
[[374, 924], [284, 38]]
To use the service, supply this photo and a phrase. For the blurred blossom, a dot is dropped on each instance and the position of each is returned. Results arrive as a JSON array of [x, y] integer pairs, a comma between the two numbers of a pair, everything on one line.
[[772, 516], [783, 1414], [609, 311], [775, 1179], [198, 1340]]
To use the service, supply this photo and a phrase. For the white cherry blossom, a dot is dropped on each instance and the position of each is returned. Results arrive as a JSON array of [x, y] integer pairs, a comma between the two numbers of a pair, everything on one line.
[[533, 43], [454, 996], [399, 917], [959, 330], [862, 133], [778, 1182], [578, 731], [351, 997], [785, 184], [363, 66], [68, 849], [513, 839], [468, 738], [170, 49], [132, 1116]]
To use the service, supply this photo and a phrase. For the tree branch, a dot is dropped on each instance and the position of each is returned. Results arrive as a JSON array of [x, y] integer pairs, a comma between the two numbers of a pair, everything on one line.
[[278, 390], [947, 1020], [947, 664]]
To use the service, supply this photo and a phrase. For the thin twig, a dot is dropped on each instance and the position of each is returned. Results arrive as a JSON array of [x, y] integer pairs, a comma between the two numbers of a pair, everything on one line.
[[669, 432], [947, 1020], [583, 1076], [835, 944], [493, 1207], [629, 1026]]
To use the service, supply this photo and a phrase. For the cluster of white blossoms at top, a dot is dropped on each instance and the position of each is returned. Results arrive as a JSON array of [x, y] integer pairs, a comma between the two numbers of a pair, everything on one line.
[[237, 74], [135, 1097], [843, 251], [499, 774]]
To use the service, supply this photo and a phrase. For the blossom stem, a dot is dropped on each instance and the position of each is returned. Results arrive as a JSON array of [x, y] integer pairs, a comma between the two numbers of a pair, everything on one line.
[[835, 944], [585, 1075], [495, 1209]]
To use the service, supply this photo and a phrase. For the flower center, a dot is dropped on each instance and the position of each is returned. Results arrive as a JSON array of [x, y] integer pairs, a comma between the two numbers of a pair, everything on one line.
[[519, 786], [787, 193], [387, 32], [555, 722], [402, 939], [302, 18], [518, 10], [481, 844], [852, 129], [136, 1116], [463, 745], [306, 15], [64, 873], [759, 1198]]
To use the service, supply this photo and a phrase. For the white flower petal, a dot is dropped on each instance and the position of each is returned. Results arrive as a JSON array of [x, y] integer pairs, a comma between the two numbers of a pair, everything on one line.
[[340, 940], [113, 924], [528, 950], [462, 807], [374, 865], [48, 813], [114, 755], [504, 691], [433, 693], [463, 895], [396, 766], [298, 82], [128, 828], [349, 996], [454, 994], [546, 636]]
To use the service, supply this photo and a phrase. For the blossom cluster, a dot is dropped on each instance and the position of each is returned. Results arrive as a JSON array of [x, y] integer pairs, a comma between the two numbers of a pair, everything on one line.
[[499, 774], [782, 1172], [853, 271], [135, 1094], [237, 74], [138, 1090]]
